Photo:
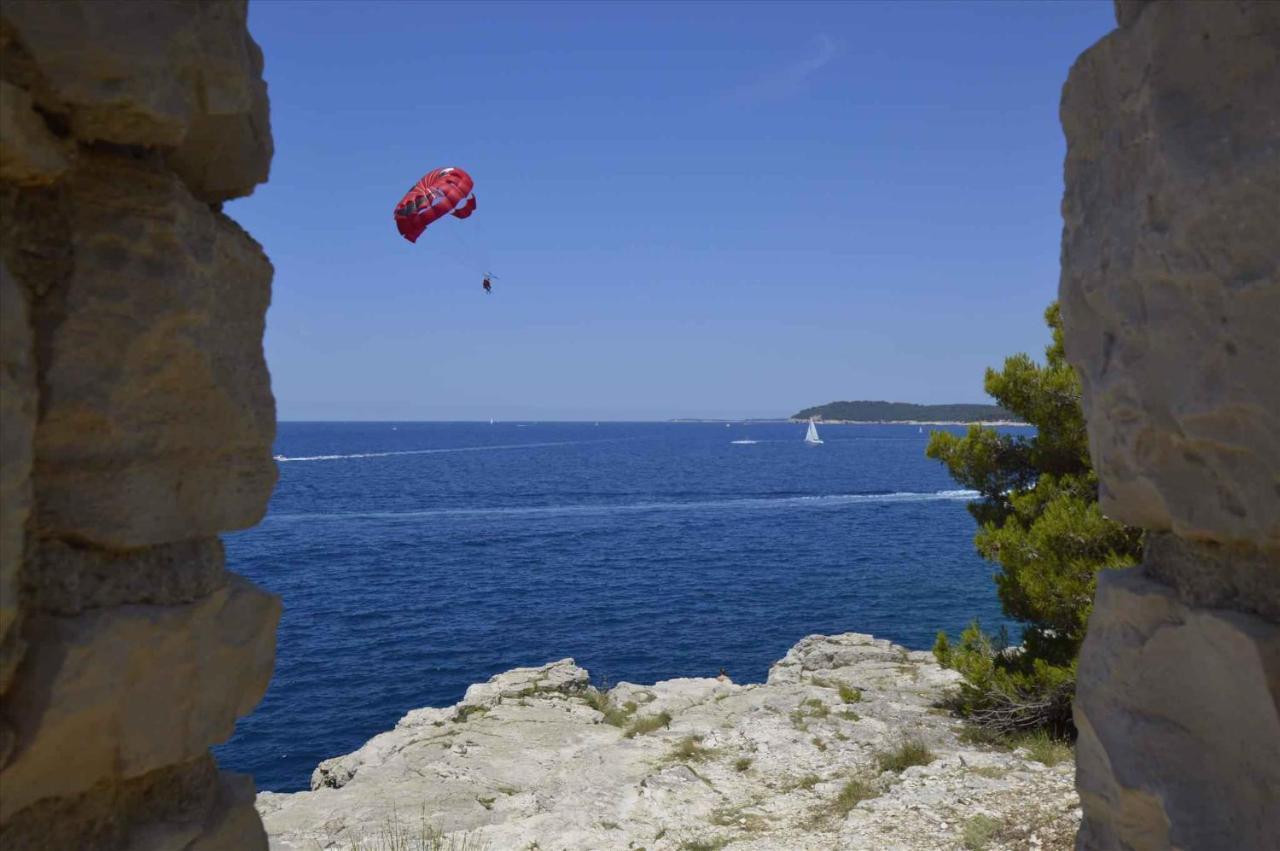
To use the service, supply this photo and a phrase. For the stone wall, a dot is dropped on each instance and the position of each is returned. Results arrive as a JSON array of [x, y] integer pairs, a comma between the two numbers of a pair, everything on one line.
[[1170, 296], [137, 421]]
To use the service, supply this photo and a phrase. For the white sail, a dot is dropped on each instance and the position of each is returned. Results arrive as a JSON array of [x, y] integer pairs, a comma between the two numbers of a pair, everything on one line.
[[811, 436]]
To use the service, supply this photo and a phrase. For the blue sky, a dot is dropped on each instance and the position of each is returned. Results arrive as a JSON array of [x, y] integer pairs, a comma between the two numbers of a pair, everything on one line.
[[721, 210]]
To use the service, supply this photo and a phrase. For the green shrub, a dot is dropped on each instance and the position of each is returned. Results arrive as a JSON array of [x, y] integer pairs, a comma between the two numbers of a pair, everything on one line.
[[1039, 521], [742, 763], [849, 694]]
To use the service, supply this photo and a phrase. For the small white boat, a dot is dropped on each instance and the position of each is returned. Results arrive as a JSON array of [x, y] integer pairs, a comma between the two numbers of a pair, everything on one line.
[[744, 442], [811, 436]]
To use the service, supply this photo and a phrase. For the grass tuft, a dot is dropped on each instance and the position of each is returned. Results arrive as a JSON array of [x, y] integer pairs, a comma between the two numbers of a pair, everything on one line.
[[465, 713], [690, 749], [852, 793], [647, 724], [910, 752], [978, 832], [705, 844], [849, 694], [742, 763]]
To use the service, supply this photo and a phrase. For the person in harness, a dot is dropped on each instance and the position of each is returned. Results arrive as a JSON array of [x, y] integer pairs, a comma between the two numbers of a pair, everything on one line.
[[487, 284]]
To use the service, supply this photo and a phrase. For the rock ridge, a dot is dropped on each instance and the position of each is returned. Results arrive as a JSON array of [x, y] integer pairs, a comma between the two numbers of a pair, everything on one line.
[[536, 758]]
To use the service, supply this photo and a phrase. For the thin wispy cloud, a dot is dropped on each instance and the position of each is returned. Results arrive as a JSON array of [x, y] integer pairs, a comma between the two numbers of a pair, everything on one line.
[[788, 81]]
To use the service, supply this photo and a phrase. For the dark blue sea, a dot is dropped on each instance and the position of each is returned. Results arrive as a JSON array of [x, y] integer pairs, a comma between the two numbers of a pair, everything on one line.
[[417, 558]]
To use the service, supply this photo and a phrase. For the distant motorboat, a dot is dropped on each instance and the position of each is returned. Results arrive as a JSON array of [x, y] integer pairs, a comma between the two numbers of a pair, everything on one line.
[[811, 436], [744, 442]]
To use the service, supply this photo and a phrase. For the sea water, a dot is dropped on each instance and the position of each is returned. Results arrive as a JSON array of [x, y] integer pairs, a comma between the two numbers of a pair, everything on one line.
[[416, 558]]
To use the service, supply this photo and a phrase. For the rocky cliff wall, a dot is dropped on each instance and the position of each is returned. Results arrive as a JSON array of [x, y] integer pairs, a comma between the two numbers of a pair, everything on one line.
[[137, 421], [1170, 296]]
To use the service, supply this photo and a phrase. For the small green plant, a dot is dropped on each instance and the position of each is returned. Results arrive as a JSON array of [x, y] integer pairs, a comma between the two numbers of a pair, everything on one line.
[[818, 743], [464, 714], [808, 781], [597, 700], [647, 724], [849, 694], [991, 772], [815, 708], [742, 763], [1044, 748], [978, 832], [1040, 745], [705, 844], [396, 835], [487, 803], [690, 749], [849, 715], [852, 793], [910, 752]]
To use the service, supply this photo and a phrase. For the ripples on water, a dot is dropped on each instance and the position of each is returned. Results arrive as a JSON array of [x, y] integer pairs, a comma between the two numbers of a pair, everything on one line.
[[417, 558]]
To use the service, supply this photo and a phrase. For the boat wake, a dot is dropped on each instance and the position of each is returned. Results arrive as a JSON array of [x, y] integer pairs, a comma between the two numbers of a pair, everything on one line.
[[283, 459], [743, 504]]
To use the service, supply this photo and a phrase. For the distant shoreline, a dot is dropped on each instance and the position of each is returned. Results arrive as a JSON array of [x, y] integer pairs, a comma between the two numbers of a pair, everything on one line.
[[915, 422]]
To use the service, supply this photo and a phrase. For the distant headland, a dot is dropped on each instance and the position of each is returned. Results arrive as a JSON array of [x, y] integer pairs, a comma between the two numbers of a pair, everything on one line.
[[907, 412]]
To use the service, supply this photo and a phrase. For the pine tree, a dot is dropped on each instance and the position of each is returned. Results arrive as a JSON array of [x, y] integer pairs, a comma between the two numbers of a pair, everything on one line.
[[1039, 520]]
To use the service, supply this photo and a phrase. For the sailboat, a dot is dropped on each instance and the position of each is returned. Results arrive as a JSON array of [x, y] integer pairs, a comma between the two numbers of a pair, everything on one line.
[[811, 436]]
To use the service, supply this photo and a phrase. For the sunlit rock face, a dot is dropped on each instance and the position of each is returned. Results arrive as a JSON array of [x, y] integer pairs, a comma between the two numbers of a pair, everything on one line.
[[1170, 296], [137, 421]]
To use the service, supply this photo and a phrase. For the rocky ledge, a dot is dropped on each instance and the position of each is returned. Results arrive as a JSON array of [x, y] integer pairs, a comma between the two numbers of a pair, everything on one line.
[[844, 747]]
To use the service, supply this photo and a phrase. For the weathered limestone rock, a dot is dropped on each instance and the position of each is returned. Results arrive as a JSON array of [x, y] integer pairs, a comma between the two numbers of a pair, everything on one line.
[[18, 415], [120, 692], [65, 579], [1179, 713], [153, 345], [1170, 296], [528, 760], [29, 154], [1171, 275], [178, 75], [136, 421], [187, 806]]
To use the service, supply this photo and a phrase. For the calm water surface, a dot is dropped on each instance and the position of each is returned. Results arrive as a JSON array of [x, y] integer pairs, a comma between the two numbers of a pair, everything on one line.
[[417, 558]]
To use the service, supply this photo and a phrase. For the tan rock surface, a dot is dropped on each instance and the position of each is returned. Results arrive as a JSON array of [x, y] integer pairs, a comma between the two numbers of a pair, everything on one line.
[[1170, 284], [18, 415], [1179, 717], [524, 762], [29, 154], [153, 344], [179, 75], [123, 691]]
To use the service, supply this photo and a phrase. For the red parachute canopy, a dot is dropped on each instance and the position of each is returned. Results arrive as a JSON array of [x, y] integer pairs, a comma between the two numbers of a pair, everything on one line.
[[439, 193]]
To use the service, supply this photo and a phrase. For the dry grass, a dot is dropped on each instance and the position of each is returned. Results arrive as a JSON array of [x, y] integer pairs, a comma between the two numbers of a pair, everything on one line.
[[397, 835], [690, 749], [647, 724]]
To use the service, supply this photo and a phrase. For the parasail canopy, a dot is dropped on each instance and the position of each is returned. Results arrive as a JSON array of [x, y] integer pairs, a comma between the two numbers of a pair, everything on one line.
[[444, 191]]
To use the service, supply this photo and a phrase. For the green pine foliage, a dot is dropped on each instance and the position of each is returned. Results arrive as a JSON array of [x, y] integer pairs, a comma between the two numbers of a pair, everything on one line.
[[1039, 521]]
